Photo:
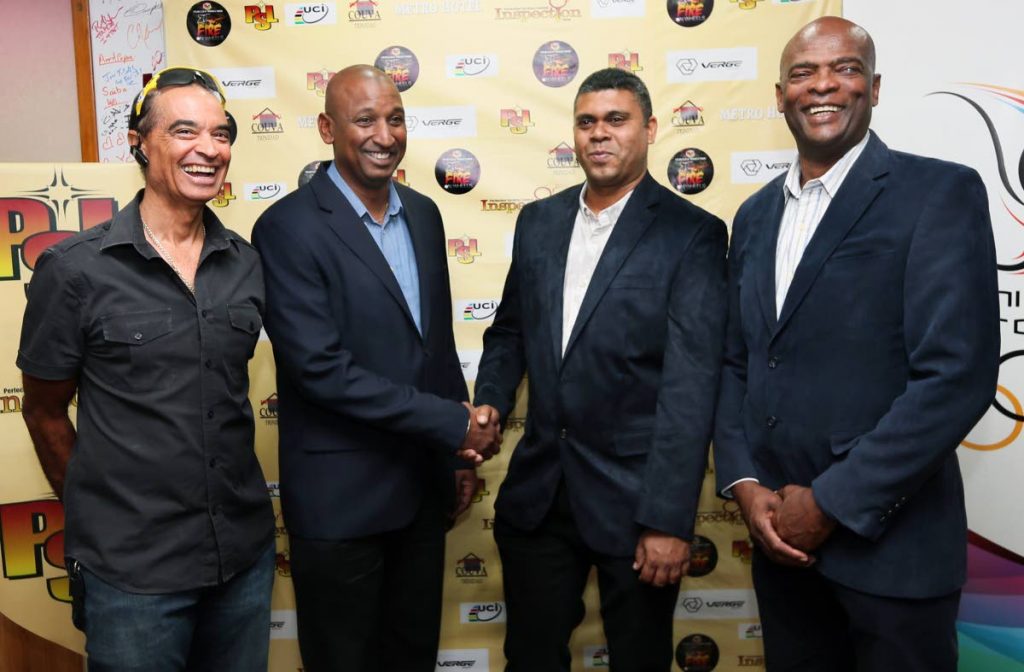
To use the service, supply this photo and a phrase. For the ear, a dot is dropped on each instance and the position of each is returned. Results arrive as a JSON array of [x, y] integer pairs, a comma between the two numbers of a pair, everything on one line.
[[876, 84], [778, 97], [325, 125], [652, 129]]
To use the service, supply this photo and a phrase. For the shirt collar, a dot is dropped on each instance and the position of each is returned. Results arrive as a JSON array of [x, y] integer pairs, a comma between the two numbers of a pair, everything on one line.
[[831, 180], [596, 223], [126, 229], [394, 202]]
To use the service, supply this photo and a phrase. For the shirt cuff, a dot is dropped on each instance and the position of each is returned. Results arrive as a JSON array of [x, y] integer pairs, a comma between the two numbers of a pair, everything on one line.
[[727, 490]]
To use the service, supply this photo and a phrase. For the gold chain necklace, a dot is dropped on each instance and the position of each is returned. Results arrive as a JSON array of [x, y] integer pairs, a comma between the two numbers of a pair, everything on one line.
[[167, 257]]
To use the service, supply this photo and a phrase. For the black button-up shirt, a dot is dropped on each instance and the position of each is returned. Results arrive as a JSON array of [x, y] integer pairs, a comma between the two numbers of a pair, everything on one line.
[[163, 492]]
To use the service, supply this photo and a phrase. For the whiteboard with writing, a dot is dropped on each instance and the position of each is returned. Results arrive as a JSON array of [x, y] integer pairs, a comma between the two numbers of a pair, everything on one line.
[[127, 44]]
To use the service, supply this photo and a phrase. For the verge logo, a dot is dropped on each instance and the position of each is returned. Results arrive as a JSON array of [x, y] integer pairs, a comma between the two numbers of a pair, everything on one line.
[[760, 167], [283, 624], [463, 659], [482, 612], [247, 83], [711, 65], [708, 604], [441, 122], [471, 65]]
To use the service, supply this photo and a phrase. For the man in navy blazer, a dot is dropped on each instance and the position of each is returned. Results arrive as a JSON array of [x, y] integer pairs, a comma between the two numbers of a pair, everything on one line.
[[614, 307], [862, 346], [370, 391]]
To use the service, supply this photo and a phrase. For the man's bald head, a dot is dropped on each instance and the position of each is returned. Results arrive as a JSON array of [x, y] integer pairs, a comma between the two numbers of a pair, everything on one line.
[[828, 28], [346, 80]]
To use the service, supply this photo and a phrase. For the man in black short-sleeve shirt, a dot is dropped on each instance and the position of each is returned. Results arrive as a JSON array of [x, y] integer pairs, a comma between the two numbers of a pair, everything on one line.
[[152, 318]]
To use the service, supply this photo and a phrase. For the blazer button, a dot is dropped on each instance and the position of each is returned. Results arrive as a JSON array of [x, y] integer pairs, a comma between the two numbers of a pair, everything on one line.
[[562, 433], [773, 362], [771, 422]]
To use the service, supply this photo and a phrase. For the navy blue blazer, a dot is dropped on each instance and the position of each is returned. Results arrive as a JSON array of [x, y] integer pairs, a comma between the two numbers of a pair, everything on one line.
[[367, 408], [626, 415], [884, 356]]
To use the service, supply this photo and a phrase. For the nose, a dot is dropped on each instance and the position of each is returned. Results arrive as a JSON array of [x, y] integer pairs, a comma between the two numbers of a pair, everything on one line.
[[206, 145], [599, 131], [824, 81], [383, 134]]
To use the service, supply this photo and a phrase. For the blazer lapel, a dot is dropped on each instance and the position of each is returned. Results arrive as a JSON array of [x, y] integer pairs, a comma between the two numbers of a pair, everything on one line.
[[767, 241], [414, 220], [555, 284], [352, 232], [860, 188], [631, 225]]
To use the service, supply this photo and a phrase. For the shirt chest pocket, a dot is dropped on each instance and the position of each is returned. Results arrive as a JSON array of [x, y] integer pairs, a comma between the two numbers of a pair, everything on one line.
[[139, 353], [244, 325]]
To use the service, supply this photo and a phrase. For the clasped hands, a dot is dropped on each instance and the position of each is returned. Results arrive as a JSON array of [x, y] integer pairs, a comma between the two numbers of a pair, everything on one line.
[[786, 524], [483, 440]]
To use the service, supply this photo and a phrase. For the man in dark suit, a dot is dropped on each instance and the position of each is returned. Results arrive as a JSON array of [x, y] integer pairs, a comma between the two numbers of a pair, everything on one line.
[[862, 346], [369, 389], [614, 306]]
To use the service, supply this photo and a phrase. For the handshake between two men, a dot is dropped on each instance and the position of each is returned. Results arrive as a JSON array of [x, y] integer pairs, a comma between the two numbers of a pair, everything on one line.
[[483, 436]]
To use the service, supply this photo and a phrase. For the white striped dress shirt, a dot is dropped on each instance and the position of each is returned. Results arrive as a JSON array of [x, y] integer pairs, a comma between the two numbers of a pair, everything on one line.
[[805, 207]]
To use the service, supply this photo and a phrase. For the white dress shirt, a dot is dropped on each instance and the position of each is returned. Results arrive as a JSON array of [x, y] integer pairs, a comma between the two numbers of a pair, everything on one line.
[[804, 210], [590, 234], [805, 207]]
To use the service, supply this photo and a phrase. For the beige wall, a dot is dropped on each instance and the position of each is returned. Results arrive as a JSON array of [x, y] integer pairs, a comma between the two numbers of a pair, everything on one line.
[[39, 112]]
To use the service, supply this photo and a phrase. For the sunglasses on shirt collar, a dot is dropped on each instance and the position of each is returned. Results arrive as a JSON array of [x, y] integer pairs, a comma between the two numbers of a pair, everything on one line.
[[179, 77]]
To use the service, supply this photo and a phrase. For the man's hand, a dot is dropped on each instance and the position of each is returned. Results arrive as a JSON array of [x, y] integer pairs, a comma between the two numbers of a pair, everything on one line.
[[466, 484], [799, 521], [661, 558], [483, 440], [759, 507]]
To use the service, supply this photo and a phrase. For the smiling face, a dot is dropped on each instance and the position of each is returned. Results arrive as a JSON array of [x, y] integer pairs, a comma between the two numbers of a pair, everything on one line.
[[189, 146], [827, 88], [365, 122], [611, 139]]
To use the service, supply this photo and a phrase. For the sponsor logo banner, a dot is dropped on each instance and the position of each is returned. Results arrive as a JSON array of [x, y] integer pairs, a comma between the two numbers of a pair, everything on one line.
[[463, 659], [441, 122], [475, 310], [482, 612], [247, 83], [471, 65], [615, 9], [311, 14], [711, 65], [265, 191], [283, 624], [707, 604], [749, 631], [760, 167], [470, 360]]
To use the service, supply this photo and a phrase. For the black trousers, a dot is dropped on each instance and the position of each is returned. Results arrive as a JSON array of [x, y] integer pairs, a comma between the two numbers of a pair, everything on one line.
[[544, 574], [372, 604], [812, 624]]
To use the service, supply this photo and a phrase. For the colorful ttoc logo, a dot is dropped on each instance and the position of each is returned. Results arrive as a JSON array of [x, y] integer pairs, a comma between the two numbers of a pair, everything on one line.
[[401, 65], [555, 64], [689, 13], [690, 171], [457, 171], [697, 653], [208, 23]]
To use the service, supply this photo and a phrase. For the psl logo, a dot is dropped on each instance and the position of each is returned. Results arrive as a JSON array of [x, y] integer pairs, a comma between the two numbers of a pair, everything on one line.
[[625, 60], [464, 249], [516, 119], [317, 81], [481, 491], [32, 220], [224, 196], [261, 16], [746, 4], [31, 533], [400, 177]]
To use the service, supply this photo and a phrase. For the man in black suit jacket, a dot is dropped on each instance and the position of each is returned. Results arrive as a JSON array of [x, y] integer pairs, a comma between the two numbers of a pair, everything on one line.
[[614, 306], [369, 390], [862, 346]]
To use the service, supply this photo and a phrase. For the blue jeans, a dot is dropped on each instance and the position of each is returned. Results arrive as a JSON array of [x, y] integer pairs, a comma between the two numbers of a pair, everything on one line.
[[224, 628]]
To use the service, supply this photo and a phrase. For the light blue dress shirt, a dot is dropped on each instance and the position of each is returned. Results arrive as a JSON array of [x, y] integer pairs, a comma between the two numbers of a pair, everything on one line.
[[393, 239]]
